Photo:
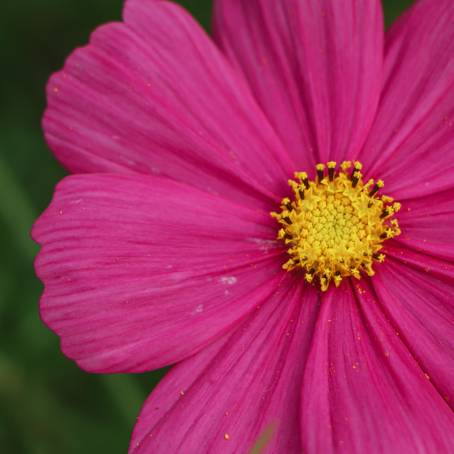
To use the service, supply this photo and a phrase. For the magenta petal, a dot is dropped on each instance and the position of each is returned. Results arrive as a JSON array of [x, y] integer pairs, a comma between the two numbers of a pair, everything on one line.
[[243, 391], [315, 67], [155, 95], [432, 266], [140, 272], [420, 306], [411, 145], [363, 392], [427, 224]]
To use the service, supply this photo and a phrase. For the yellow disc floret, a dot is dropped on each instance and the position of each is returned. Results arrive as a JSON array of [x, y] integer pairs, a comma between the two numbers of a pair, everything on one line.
[[334, 227]]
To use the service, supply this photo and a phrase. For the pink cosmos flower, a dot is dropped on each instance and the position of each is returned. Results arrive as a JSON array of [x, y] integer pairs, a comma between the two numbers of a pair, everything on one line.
[[161, 248]]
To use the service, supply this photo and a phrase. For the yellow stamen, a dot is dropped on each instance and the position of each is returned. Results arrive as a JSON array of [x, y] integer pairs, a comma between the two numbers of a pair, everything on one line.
[[335, 227]]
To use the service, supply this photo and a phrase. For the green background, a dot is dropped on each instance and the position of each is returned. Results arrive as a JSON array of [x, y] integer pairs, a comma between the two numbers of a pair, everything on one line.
[[48, 405]]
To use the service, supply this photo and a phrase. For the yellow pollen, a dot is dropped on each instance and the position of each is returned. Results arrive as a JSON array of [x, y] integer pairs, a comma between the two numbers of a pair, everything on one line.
[[334, 227]]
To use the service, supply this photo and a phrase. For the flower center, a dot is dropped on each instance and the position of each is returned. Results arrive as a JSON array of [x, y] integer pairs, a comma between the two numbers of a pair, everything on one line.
[[334, 227]]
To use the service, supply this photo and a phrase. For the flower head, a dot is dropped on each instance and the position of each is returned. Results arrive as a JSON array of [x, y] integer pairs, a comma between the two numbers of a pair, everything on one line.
[[335, 226], [328, 328]]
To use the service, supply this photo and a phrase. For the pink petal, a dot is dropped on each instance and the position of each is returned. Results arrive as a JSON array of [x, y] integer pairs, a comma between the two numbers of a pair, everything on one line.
[[240, 392], [421, 307], [141, 272], [411, 144], [154, 95], [315, 67], [363, 392], [428, 224], [434, 266]]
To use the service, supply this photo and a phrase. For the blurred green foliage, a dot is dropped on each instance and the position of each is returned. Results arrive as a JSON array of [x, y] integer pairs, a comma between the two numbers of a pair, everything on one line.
[[48, 405]]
